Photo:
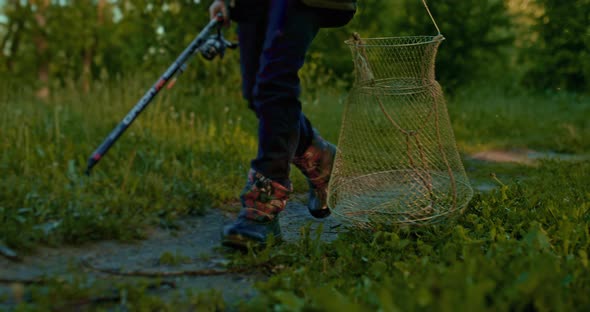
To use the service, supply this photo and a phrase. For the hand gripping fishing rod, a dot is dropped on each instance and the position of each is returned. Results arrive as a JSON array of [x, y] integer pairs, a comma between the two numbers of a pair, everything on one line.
[[208, 46]]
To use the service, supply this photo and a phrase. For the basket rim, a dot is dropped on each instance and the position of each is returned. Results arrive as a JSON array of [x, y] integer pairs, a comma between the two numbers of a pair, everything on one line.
[[427, 40]]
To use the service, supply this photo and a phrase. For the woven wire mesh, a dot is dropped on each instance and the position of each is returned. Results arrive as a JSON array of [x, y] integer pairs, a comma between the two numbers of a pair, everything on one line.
[[397, 160]]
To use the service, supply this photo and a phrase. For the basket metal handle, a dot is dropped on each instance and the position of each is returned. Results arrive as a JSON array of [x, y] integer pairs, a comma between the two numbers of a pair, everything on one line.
[[431, 17]]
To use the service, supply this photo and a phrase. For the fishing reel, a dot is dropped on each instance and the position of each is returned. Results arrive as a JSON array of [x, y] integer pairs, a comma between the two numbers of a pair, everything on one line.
[[215, 45]]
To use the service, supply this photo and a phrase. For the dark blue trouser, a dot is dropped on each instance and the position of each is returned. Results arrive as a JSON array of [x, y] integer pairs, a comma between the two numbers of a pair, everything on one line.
[[274, 38]]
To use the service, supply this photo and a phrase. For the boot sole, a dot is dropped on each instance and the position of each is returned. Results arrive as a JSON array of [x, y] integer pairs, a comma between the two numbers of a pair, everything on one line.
[[320, 214]]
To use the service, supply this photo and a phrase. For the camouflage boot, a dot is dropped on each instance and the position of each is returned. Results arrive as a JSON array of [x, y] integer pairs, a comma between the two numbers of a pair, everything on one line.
[[262, 200], [316, 164]]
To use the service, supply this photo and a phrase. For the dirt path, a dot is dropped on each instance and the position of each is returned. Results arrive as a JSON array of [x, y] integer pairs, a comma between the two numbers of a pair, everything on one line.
[[524, 156], [196, 246]]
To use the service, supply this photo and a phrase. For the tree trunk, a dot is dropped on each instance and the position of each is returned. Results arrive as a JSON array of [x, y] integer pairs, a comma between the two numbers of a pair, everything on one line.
[[13, 36], [87, 68], [91, 51], [41, 45]]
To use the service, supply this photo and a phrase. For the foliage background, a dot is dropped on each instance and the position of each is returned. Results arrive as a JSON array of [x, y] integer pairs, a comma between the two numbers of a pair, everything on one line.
[[541, 44]]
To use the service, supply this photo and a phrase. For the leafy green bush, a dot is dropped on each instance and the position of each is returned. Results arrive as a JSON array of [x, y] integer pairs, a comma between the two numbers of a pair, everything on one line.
[[477, 32], [560, 56], [103, 40], [108, 39]]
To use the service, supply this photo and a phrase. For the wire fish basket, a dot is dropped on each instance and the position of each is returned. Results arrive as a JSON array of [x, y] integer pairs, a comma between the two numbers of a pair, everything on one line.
[[397, 161]]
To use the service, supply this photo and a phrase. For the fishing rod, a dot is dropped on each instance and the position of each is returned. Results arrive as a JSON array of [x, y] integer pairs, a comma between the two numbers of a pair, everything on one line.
[[209, 46]]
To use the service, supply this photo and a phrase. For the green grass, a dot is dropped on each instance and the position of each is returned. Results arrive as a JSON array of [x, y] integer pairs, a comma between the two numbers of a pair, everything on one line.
[[523, 246], [191, 148], [184, 154], [520, 247], [491, 117], [189, 151]]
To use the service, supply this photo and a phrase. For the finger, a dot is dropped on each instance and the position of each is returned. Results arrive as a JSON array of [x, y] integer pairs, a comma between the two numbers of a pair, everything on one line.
[[226, 20], [213, 10]]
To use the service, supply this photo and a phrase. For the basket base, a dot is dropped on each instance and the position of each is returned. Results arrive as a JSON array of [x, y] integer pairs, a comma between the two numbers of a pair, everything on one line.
[[398, 197]]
